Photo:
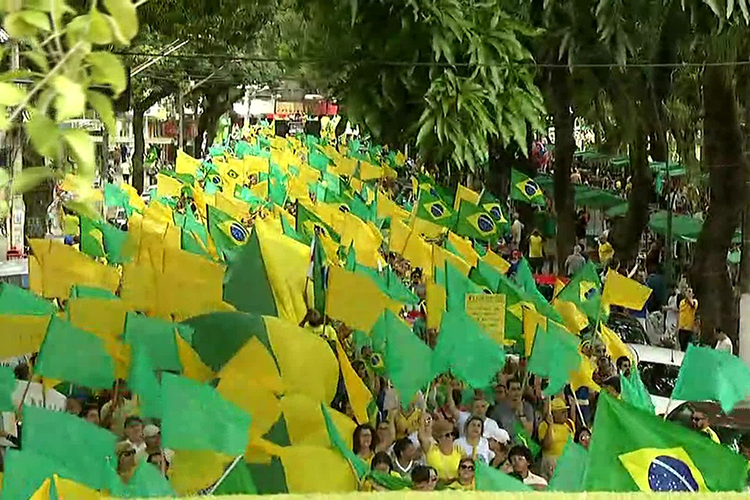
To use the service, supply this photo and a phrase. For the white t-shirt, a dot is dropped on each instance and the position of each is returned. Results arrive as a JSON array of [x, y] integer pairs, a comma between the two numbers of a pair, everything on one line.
[[515, 231], [491, 429], [534, 480], [724, 345], [482, 451]]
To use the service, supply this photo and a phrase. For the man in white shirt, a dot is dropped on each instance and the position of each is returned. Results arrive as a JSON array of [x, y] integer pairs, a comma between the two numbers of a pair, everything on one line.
[[520, 458], [723, 343], [479, 407], [516, 230], [134, 436]]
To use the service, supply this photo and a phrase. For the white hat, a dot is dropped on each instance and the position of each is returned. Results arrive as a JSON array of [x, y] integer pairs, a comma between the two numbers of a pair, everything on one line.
[[150, 431]]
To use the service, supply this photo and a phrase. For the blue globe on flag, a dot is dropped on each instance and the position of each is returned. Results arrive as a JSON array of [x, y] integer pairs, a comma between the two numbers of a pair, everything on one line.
[[485, 223]]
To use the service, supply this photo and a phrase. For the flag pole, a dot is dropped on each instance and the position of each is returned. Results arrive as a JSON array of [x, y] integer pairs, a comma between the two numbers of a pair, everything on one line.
[[666, 410], [224, 476]]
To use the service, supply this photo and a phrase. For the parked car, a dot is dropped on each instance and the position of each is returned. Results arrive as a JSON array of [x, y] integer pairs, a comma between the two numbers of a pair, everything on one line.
[[659, 368], [627, 328], [729, 428]]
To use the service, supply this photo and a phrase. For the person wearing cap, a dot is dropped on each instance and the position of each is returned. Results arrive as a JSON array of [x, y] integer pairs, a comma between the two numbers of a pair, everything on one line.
[[556, 429], [134, 436], [152, 437], [441, 452]]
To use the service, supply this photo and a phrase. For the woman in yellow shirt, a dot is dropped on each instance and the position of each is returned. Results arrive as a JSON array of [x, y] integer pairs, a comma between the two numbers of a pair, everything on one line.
[[441, 452], [465, 479], [536, 252]]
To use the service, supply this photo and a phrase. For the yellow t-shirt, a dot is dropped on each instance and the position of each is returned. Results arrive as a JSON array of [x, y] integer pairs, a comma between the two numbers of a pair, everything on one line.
[[560, 435], [407, 424], [606, 252], [455, 485], [445, 465], [712, 435], [536, 246], [686, 319]]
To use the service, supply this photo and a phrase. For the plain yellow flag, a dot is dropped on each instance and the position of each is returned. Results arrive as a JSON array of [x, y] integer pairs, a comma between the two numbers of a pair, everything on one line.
[[464, 247], [65, 266], [625, 292], [255, 164], [411, 246], [388, 208], [436, 297], [440, 255], [254, 363], [306, 424], [368, 171], [356, 300], [573, 318], [168, 186], [464, 193], [186, 164], [43, 492], [22, 334], [315, 469], [306, 362], [191, 471], [262, 403], [583, 376], [135, 199], [70, 490], [359, 395], [615, 346], [286, 262], [494, 260], [101, 316], [366, 242], [199, 280]]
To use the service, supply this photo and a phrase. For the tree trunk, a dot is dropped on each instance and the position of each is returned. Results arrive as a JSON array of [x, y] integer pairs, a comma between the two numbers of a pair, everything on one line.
[[728, 176], [564, 149], [139, 148], [139, 141], [626, 234], [36, 200]]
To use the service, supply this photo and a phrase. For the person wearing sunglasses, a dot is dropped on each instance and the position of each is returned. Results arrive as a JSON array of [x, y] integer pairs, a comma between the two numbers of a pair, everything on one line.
[[465, 479], [440, 450], [125, 461], [424, 478], [701, 423]]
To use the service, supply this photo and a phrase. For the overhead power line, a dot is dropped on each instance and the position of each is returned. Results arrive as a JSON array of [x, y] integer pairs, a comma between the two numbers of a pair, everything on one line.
[[380, 62]]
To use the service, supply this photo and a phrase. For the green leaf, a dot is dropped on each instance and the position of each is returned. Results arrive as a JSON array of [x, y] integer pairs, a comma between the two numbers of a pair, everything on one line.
[[26, 23], [125, 16], [37, 59], [44, 134], [71, 99], [103, 107], [82, 147], [99, 31], [11, 95], [29, 178], [107, 69]]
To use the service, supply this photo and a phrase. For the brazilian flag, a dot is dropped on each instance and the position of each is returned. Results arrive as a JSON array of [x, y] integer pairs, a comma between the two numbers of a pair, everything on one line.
[[307, 224], [524, 188], [432, 208], [474, 222], [492, 206], [585, 291], [632, 450], [227, 232]]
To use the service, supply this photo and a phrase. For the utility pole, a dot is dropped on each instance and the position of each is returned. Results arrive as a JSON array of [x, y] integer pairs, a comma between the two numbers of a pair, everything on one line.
[[17, 210], [743, 337], [181, 110]]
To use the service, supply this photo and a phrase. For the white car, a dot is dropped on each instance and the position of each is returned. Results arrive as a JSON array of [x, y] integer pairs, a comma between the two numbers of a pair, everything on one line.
[[659, 368]]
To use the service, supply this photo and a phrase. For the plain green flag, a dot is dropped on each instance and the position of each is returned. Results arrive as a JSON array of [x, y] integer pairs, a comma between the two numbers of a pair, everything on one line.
[[239, 481], [144, 384], [7, 388], [114, 243], [634, 392], [196, 417], [633, 451], [570, 469], [554, 356], [148, 481], [156, 336], [490, 479], [16, 300], [467, 351], [76, 356], [25, 471], [710, 374], [457, 286], [319, 274], [84, 448], [90, 237]]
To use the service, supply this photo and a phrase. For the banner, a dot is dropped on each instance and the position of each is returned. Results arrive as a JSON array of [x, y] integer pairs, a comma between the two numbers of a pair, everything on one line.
[[489, 311]]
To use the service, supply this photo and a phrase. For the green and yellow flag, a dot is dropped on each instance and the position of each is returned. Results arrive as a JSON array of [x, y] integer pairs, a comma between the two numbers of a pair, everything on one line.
[[473, 222], [524, 188]]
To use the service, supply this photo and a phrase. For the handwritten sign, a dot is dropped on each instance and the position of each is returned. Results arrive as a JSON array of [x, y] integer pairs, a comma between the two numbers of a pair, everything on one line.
[[489, 312]]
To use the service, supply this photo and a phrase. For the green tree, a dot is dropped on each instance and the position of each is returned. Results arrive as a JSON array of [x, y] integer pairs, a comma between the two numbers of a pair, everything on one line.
[[446, 75]]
